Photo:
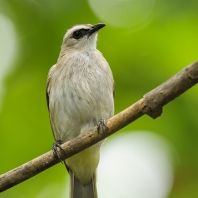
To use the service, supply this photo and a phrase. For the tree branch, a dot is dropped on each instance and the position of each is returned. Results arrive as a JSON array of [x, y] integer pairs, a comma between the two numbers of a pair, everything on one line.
[[151, 104]]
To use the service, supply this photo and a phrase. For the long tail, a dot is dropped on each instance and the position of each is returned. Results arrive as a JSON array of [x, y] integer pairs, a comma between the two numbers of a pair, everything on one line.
[[77, 190]]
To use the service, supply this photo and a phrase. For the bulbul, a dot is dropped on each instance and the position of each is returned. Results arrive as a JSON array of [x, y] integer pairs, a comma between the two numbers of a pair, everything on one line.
[[80, 92]]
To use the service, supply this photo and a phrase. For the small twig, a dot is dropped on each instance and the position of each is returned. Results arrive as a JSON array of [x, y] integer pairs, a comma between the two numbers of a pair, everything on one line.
[[151, 104]]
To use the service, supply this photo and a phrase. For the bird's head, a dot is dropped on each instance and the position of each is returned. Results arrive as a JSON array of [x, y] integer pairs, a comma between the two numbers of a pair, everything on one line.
[[82, 36]]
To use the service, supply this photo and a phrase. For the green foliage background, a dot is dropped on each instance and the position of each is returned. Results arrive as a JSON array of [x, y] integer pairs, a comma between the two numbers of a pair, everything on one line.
[[140, 61]]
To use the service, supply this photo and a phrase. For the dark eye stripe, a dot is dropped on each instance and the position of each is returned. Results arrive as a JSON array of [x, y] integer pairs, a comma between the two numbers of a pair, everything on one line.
[[79, 33]]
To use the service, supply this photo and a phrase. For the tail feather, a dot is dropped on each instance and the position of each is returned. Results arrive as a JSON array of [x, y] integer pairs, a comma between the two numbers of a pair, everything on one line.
[[78, 190]]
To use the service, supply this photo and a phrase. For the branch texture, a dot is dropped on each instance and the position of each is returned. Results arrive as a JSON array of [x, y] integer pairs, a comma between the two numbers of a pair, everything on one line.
[[151, 104]]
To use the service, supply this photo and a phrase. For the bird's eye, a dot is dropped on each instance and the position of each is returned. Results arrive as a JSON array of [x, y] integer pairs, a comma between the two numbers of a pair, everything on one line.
[[77, 34]]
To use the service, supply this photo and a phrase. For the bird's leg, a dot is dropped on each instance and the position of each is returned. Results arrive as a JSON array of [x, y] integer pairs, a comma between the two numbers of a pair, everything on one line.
[[55, 147], [102, 123]]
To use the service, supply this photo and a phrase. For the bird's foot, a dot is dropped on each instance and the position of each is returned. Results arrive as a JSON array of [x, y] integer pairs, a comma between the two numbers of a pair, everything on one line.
[[55, 147], [102, 123]]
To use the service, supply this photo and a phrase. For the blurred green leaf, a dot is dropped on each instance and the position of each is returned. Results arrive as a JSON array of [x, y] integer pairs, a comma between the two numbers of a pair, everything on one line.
[[140, 59]]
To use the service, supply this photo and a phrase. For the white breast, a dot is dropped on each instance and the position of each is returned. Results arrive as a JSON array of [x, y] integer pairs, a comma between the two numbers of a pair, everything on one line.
[[80, 94]]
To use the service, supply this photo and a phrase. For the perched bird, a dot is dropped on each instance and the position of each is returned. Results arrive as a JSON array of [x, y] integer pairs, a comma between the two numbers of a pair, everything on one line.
[[80, 92]]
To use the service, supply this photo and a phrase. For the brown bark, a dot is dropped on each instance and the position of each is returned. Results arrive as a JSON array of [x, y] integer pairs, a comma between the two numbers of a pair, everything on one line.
[[151, 104]]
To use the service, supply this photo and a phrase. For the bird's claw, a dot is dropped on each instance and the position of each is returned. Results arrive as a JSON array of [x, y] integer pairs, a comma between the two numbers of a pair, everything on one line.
[[55, 147], [102, 123]]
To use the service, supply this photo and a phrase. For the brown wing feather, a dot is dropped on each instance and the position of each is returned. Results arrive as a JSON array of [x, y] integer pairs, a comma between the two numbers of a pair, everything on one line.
[[47, 85], [48, 93], [114, 90]]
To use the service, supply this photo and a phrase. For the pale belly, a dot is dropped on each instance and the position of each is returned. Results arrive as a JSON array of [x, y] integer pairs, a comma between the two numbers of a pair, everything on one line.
[[84, 164], [78, 101]]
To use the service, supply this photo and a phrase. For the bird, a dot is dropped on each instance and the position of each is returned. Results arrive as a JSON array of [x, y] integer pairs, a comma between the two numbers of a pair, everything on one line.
[[80, 94]]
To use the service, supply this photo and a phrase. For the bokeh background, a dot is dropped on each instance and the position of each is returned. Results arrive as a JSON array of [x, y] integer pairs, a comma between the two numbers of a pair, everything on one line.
[[145, 42]]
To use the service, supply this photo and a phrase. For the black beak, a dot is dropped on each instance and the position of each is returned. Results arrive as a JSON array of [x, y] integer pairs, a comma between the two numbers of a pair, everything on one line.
[[95, 28]]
